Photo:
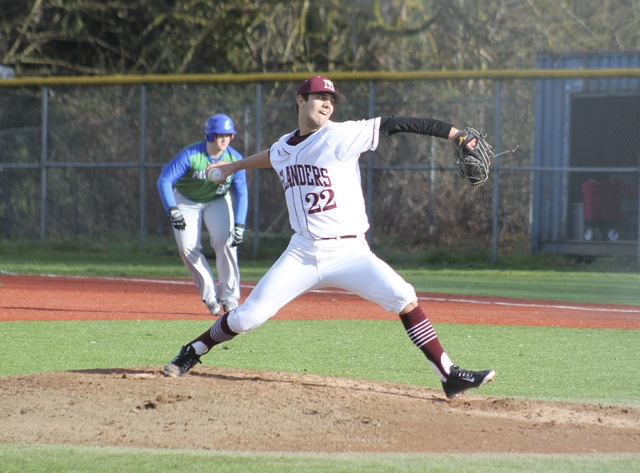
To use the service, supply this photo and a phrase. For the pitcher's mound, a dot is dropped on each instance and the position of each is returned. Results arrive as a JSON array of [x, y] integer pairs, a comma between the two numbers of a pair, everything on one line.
[[227, 409]]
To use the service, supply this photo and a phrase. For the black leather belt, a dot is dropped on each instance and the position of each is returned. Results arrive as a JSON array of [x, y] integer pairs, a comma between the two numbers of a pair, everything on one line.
[[343, 237]]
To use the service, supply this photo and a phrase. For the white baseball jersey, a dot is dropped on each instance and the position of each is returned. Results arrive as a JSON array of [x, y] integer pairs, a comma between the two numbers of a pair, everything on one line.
[[321, 178]]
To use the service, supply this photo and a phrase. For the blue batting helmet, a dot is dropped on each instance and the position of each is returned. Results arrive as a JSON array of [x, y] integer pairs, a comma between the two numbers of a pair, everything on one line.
[[218, 124]]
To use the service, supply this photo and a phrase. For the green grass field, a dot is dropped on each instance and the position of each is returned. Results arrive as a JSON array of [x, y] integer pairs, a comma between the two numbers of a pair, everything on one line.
[[585, 365]]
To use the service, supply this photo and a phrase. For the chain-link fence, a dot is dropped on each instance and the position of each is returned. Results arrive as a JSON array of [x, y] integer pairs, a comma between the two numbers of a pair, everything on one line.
[[80, 160]]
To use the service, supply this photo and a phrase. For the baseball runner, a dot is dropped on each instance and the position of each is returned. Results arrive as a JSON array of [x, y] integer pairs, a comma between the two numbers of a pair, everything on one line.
[[190, 199], [318, 168]]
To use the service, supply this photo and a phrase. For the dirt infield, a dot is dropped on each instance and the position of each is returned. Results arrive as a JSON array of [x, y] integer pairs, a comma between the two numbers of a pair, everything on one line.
[[213, 408]]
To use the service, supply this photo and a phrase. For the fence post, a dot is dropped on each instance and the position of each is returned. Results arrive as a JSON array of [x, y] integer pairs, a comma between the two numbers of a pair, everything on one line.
[[495, 226], [143, 159], [256, 175], [43, 162], [370, 156], [638, 235]]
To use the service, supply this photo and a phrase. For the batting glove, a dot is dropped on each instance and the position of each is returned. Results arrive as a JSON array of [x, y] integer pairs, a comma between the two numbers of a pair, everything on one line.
[[237, 235], [177, 219]]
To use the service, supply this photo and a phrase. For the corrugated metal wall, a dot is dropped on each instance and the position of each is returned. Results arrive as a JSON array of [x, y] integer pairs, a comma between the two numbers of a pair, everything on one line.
[[557, 209]]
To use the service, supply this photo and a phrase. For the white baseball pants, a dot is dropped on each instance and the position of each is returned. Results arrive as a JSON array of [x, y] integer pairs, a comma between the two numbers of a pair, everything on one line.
[[313, 264], [217, 217]]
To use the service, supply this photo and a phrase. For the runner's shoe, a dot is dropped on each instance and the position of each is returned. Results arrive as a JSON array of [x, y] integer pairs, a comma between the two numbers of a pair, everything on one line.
[[460, 380], [228, 306], [214, 308], [182, 363]]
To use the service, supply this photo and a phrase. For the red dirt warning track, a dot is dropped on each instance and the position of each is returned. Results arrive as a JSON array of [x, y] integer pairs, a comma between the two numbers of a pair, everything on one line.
[[88, 298]]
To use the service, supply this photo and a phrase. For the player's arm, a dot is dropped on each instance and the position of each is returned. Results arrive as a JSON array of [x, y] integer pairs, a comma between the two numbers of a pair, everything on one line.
[[240, 197], [171, 173], [256, 161], [420, 125]]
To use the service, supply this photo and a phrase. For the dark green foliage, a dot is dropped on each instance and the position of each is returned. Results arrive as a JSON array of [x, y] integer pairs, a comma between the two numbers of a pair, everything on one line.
[[204, 36]]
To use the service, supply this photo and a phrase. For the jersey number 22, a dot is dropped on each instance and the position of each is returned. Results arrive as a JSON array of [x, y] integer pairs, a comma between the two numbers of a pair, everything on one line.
[[321, 202]]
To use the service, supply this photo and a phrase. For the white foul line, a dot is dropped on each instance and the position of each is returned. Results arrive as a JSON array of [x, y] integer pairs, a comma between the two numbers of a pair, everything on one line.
[[338, 292], [532, 304]]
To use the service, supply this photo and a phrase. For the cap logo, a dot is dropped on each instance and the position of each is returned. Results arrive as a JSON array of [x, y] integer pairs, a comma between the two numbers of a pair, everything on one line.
[[328, 85], [227, 124]]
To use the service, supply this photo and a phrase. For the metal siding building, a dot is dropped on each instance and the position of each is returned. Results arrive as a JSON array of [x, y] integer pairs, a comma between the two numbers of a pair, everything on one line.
[[575, 121]]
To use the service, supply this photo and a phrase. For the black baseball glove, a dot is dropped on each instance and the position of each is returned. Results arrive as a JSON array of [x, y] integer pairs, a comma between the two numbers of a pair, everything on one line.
[[473, 163]]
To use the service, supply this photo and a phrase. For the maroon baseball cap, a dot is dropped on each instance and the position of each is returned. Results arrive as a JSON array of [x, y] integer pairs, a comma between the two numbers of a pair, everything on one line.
[[320, 84]]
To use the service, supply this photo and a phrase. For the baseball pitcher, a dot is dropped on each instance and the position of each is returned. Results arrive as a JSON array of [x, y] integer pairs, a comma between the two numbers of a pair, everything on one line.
[[318, 167]]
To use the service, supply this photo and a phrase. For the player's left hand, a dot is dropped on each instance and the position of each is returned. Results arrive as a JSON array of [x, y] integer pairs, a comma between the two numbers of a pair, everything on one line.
[[237, 236], [177, 219], [473, 155]]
